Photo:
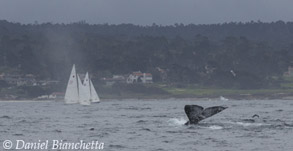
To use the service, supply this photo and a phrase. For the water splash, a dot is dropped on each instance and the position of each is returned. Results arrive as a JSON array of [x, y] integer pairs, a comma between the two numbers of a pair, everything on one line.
[[223, 98], [177, 121]]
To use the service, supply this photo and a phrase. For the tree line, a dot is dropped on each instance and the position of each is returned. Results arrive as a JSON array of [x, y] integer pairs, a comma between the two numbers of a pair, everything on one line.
[[229, 55]]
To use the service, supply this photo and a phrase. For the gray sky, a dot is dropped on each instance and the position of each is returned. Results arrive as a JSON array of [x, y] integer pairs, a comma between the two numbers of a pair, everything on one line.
[[145, 12]]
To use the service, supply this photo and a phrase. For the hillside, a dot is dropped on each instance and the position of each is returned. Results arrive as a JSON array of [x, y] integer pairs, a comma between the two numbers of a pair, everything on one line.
[[230, 55]]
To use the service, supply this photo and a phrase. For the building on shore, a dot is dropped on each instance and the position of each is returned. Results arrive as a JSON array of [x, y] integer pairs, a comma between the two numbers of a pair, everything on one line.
[[135, 77], [289, 73], [26, 80], [18, 79], [139, 77], [114, 79]]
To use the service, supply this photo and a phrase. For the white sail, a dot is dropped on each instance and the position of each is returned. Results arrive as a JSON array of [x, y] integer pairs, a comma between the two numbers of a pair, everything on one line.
[[86, 86], [71, 94], [83, 97], [90, 90], [94, 94]]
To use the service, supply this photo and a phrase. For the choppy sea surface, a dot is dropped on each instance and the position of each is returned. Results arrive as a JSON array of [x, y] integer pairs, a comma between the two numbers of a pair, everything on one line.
[[152, 125]]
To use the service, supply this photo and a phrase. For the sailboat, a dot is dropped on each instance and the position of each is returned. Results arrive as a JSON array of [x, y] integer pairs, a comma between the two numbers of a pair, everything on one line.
[[72, 92], [75, 92], [83, 97], [91, 92]]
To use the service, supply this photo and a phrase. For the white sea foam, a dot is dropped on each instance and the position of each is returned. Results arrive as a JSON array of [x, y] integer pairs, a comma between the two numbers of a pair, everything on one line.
[[215, 127], [223, 98], [249, 124], [177, 121]]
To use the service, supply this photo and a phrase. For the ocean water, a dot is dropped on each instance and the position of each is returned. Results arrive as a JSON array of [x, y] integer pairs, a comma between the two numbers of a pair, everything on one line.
[[151, 125]]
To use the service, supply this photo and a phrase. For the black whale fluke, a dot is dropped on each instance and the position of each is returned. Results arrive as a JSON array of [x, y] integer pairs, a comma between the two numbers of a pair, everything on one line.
[[197, 113]]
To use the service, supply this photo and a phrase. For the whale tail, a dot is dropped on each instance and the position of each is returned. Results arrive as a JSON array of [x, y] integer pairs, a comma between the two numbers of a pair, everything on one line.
[[197, 113]]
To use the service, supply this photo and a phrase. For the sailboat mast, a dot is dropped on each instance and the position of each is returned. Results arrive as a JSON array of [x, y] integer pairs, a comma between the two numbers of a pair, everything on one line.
[[90, 87], [77, 86]]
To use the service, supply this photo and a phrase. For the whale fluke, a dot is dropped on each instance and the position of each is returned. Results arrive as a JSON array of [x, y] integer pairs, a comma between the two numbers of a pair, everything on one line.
[[197, 113]]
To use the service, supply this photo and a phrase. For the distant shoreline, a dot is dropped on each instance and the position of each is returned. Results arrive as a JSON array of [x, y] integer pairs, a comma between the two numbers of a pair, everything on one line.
[[157, 91], [265, 96]]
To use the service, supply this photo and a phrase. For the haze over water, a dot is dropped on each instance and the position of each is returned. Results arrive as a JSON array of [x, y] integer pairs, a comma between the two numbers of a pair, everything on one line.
[[156, 125]]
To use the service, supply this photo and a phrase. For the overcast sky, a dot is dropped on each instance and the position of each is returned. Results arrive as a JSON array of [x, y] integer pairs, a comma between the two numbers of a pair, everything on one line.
[[145, 12]]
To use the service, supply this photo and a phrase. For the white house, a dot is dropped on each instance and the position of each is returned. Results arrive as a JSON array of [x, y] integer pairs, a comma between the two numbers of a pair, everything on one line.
[[139, 77]]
